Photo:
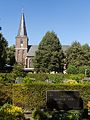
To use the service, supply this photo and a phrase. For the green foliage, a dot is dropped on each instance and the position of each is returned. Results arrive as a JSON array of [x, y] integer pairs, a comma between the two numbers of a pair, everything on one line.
[[30, 96], [5, 94], [10, 112], [18, 71], [49, 56], [3, 48], [56, 78], [77, 77], [37, 114], [52, 78], [28, 80], [10, 55], [7, 78], [72, 69], [85, 70], [78, 55], [71, 82], [38, 76], [66, 115]]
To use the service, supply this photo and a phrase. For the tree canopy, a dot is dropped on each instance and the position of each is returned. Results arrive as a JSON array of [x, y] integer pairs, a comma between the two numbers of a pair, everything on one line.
[[78, 55], [3, 48], [10, 55], [49, 56]]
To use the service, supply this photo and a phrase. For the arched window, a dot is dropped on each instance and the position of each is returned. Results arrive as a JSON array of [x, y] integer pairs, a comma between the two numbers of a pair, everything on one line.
[[30, 62]]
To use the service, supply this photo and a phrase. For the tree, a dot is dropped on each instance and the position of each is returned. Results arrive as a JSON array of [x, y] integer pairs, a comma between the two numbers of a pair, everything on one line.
[[3, 48], [10, 55], [74, 54], [86, 55], [49, 56], [78, 55]]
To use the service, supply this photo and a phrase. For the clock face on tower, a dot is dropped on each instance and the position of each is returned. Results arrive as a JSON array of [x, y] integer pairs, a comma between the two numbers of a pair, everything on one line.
[[21, 43]]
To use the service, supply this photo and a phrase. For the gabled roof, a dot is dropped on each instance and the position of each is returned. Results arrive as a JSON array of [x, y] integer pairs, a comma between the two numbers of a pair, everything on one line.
[[33, 48], [22, 28]]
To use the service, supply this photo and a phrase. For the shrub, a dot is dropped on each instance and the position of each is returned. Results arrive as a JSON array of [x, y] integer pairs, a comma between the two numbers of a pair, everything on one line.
[[57, 115], [10, 112], [67, 115], [5, 94], [77, 77], [37, 114], [84, 70], [72, 69], [6, 78], [18, 71], [71, 82], [56, 78], [28, 80], [52, 78], [38, 76]]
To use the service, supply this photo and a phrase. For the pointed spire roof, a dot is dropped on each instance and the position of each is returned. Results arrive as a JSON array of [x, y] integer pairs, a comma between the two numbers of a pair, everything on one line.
[[22, 28]]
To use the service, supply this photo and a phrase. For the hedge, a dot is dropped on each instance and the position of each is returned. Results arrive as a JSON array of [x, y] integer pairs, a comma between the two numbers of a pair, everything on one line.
[[34, 95], [5, 93], [55, 78]]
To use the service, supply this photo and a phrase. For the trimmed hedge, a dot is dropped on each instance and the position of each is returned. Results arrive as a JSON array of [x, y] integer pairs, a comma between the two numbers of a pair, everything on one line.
[[34, 95], [5, 93]]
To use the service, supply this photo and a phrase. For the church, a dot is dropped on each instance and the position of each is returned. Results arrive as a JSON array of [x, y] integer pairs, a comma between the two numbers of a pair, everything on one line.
[[25, 53]]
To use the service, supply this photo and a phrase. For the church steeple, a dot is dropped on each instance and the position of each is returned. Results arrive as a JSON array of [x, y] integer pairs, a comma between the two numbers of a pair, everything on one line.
[[22, 28], [21, 42]]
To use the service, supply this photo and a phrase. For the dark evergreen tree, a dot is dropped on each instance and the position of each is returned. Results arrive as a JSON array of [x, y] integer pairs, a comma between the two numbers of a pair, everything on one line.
[[50, 56], [3, 48], [10, 55]]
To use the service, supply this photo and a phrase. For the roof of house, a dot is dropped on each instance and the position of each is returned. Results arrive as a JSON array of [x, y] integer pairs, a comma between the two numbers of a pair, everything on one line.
[[33, 48]]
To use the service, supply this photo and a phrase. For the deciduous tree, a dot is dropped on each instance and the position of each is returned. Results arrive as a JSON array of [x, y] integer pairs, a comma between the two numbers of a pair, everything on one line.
[[78, 55], [50, 56], [10, 55], [3, 48]]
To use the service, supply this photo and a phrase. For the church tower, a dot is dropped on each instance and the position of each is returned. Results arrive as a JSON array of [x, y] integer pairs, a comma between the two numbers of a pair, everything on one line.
[[21, 42]]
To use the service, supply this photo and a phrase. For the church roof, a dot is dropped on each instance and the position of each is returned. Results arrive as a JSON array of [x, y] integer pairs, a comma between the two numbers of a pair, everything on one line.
[[34, 48], [22, 28]]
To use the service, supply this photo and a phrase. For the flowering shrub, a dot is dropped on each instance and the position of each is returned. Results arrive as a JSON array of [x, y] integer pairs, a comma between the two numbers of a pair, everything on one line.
[[11, 112], [71, 82]]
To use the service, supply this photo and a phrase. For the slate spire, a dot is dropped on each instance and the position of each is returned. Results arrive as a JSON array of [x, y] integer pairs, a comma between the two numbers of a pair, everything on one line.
[[22, 28]]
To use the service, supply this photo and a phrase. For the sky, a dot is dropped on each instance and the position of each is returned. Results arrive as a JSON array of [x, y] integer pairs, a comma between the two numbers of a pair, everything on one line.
[[69, 19]]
